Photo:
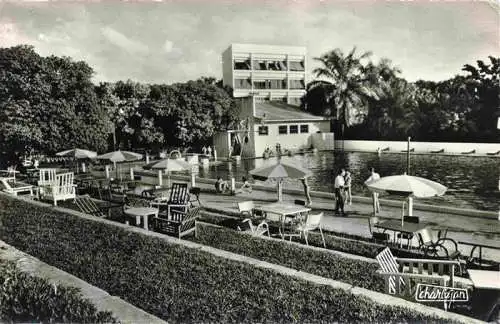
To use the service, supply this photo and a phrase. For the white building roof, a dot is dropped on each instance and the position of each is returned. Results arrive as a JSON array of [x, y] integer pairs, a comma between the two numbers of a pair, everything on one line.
[[277, 111]]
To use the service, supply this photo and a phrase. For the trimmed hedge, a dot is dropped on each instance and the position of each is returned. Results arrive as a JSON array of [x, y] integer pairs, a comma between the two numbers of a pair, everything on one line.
[[24, 298], [180, 284], [322, 263]]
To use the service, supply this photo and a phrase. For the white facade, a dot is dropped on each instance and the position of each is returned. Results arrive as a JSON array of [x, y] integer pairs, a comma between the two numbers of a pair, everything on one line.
[[268, 72], [265, 124]]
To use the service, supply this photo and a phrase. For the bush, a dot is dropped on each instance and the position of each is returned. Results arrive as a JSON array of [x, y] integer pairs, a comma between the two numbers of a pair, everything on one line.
[[24, 298], [176, 283], [321, 263]]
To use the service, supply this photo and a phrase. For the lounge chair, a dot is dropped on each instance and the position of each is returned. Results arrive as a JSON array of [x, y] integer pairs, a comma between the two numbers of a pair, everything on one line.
[[313, 222], [493, 153], [401, 276], [469, 152], [438, 151], [15, 189], [179, 223], [87, 205]]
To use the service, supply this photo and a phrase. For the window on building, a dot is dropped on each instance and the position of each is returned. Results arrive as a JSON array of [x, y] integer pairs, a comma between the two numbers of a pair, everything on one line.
[[294, 129], [297, 66], [304, 128], [263, 130], [241, 64], [297, 84], [242, 84], [283, 129], [277, 84], [260, 84], [260, 65]]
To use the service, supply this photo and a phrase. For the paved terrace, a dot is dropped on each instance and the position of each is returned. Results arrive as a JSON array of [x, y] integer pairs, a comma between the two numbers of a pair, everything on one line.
[[460, 228]]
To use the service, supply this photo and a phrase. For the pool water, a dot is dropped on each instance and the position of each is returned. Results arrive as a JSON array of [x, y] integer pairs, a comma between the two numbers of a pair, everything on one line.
[[472, 181]]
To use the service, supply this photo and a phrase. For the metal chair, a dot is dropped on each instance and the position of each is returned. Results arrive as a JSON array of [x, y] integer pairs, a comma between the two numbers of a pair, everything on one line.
[[436, 247], [377, 236], [195, 191], [313, 222], [408, 236]]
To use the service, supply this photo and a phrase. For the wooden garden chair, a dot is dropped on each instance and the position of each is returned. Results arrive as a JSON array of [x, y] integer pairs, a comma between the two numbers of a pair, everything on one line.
[[62, 188], [178, 200], [401, 276], [179, 223]]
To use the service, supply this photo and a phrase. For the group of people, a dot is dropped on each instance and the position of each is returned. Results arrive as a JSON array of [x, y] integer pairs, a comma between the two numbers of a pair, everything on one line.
[[343, 193], [221, 186], [342, 187]]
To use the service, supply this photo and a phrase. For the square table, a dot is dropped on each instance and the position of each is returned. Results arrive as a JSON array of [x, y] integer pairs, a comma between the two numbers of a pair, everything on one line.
[[144, 212], [407, 227], [284, 210]]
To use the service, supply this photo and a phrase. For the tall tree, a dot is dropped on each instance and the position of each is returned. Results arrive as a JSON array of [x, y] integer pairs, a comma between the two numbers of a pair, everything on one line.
[[344, 83]]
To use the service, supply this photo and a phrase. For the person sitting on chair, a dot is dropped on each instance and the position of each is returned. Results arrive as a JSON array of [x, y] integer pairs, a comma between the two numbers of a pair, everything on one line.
[[221, 186]]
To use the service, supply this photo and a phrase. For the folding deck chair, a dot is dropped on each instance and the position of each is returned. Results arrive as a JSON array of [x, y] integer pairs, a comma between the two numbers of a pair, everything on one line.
[[87, 205]]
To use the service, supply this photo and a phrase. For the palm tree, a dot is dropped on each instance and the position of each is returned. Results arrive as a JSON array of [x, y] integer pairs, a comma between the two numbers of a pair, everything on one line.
[[345, 84]]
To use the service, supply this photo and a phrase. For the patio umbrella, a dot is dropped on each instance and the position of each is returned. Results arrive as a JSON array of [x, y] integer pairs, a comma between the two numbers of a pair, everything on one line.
[[168, 165], [78, 154], [119, 156], [280, 171], [407, 186]]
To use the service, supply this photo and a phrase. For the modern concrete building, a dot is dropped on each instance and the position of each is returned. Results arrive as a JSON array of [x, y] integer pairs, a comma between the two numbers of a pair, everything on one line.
[[263, 124], [268, 72]]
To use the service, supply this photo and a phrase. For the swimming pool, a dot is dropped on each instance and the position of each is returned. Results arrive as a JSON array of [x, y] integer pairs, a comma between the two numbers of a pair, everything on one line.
[[472, 181]]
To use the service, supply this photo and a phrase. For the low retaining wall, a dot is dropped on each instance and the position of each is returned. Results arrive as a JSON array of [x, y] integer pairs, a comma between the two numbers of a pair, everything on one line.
[[419, 147], [376, 297], [121, 310]]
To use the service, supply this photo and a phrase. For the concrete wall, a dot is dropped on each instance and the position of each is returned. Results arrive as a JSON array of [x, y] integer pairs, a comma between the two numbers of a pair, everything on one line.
[[323, 141], [292, 142], [221, 143], [227, 67], [423, 147]]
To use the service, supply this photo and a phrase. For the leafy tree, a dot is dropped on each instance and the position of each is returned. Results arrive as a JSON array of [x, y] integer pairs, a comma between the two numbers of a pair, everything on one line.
[[344, 81], [52, 97]]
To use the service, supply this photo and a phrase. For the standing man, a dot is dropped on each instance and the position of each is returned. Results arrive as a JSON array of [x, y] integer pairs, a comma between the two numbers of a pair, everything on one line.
[[376, 204], [339, 192]]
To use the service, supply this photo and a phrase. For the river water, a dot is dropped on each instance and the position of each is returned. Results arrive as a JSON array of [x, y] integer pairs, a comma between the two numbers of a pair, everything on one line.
[[472, 181]]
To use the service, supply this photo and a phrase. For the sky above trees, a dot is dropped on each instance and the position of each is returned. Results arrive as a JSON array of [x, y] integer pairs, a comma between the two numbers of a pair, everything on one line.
[[176, 41]]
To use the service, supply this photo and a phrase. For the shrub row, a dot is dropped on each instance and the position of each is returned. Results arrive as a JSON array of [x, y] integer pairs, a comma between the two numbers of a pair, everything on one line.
[[176, 283], [322, 263], [24, 298], [338, 241]]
